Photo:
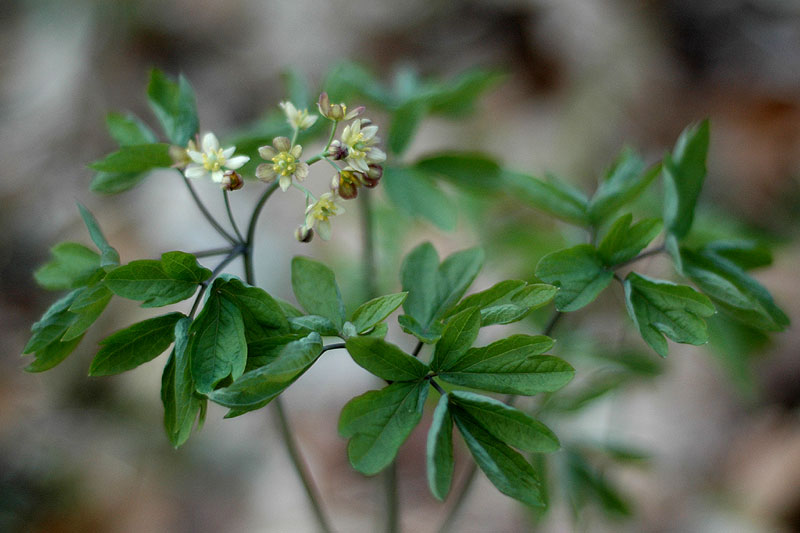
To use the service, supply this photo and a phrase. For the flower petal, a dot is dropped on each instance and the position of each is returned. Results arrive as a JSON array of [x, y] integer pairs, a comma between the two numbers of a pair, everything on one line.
[[324, 229], [285, 182], [216, 176], [210, 142], [195, 156], [228, 152], [296, 151], [194, 170], [236, 162], [282, 144], [369, 132], [264, 172], [301, 171], [267, 152], [376, 155]]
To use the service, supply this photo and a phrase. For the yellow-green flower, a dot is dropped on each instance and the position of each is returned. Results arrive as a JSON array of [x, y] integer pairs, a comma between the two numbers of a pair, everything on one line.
[[297, 119], [318, 214], [284, 162], [360, 139], [336, 112], [213, 160]]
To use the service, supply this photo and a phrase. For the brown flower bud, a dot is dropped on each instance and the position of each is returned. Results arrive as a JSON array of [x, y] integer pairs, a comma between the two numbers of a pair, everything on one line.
[[304, 234], [337, 150], [373, 176], [232, 181]]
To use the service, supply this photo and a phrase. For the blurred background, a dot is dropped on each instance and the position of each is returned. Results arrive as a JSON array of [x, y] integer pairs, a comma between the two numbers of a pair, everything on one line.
[[719, 425]]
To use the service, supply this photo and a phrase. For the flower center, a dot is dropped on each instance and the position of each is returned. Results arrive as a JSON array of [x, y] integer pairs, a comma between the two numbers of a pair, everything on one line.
[[284, 164], [213, 161]]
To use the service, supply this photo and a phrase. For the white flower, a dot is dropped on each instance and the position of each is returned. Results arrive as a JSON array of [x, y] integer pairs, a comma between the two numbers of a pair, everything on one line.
[[360, 139], [319, 213], [213, 160], [297, 119], [285, 162]]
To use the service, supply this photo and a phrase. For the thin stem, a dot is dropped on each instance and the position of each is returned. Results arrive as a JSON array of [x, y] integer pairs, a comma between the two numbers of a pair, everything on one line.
[[392, 499], [368, 250], [213, 252], [305, 191], [324, 153], [300, 465], [646, 253], [334, 165], [230, 215], [251, 232], [436, 386], [233, 254], [334, 346], [472, 469], [206, 213], [417, 349]]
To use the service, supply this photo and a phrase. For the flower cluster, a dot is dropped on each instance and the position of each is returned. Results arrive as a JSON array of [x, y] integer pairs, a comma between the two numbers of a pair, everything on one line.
[[355, 155]]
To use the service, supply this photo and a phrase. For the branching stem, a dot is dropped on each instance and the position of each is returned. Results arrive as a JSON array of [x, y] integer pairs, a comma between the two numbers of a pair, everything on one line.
[[211, 220]]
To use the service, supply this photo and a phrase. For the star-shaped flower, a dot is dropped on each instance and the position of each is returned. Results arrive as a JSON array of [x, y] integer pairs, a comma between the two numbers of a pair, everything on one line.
[[284, 163], [212, 160]]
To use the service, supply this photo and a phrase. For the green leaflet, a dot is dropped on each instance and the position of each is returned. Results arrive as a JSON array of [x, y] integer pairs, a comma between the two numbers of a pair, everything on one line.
[[505, 468], [405, 121], [661, 308], [624, 241], [71, 266], [376, 310], [433, 288], [511, 366], [440, 462], [129, 130], [458, 336], [585, 483], [578, 272], [507, 301], [385, 360], [88, 305], [378, 422], [266, 350], [147, 281], [551, 196], [135, 345], [116, 182], [50, 355], [508, 424], [414, 192], [732, 289], [258, 387], [174, 106], [623, 182], [135, 159], [315, 288], [181, 404], [183, 266], [263, 317], [472, 171], [307, 323], [53, 324], [684, 172], [108, 255]]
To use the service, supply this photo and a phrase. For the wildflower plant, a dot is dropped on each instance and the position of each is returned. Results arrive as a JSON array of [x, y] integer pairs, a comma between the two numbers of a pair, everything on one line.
[[239, 347]]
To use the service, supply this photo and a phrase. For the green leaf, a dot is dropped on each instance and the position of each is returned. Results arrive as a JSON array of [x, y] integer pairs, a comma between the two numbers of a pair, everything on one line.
[[135, 159], [108, 255], [347, 79], [473, 171], [181, 404], [508, 424], [507, 301], [116, 182], [53, 324], [258, 387], [578, 272], [585, 483], [378, 422], [661, 308], [219, 348], [135, 345], [458, 96], [262, 315], [267, 349], [433, 289], [624, 181], [440, 462], [184, 267], [418, 195], [148, 282], [405, 121], [128, 130], [549, 196], [733, 290], [458, 336], [684, 172], [505, 468], [511, 366], [385, 360], [376, 310], [315, 288], [71, 266], [624, 241], [174, 106], [49, 356], [746, 254], [88, 305], [308, 323]]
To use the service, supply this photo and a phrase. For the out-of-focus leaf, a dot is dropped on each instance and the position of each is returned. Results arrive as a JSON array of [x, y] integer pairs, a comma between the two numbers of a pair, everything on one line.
[[623, 241], [684, 172], [71, 266], [174, 105], [440, 462], [579, 274], [418, 195]]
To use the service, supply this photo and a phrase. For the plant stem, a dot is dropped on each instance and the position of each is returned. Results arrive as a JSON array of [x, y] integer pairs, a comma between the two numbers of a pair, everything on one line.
[[368, 250], [646, 253], [392, 500], [472, 469], [213, 252], [277, 404], [249, 273], [300, 465], [230, 215], [234, 252], [206, 213]]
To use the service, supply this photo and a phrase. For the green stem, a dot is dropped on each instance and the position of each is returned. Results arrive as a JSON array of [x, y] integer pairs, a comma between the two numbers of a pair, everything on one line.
[[324, 153], [206, 213], [392, 500], [230, 215], [233, 254], [300, 466], [251, 232], [213, 252]]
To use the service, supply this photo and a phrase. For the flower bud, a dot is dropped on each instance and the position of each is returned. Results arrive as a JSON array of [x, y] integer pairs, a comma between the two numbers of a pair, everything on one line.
[[346, 183], [337, 150], [232, 181], [336, 112], [179, 155], [373, 175], [303, 234]]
